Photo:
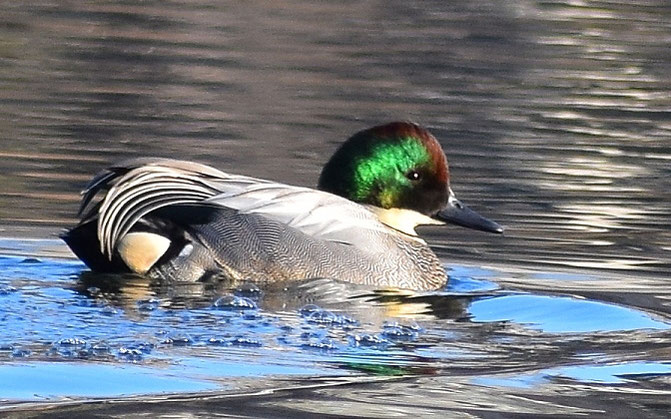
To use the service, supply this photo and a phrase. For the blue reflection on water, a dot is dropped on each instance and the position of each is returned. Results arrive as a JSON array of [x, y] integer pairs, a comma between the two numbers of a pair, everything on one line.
[[261, 366], [562, 314], [61, 341], [514, 381], [42, 380], [617, 373], [611, 374], [464, 279]]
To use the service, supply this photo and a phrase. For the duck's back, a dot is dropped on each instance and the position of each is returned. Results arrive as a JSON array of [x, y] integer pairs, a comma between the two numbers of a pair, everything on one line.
[[244, 228]]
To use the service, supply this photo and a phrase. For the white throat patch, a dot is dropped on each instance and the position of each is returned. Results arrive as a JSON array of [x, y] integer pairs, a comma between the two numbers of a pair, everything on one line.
[[403, 220]]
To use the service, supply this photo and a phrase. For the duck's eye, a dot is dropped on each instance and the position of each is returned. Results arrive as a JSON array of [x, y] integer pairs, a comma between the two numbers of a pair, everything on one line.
[[413, 175]]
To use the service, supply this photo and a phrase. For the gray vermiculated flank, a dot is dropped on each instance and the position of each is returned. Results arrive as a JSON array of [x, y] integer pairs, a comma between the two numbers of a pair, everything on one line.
[[258, 248]]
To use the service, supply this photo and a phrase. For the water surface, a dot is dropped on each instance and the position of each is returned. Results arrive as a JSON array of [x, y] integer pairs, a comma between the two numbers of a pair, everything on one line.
[[556, 119]]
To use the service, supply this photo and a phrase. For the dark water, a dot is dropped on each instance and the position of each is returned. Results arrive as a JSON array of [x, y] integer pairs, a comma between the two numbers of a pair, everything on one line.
[[556, 119]]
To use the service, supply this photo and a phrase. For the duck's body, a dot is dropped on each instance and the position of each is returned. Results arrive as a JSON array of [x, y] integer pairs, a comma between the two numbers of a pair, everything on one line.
[[177, 220]]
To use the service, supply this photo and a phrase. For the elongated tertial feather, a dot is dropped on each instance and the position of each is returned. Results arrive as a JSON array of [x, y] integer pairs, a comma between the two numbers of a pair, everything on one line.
[[135, 188]]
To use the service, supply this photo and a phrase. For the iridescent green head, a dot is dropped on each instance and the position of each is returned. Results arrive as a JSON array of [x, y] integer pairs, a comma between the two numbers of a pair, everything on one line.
[[397, 165]]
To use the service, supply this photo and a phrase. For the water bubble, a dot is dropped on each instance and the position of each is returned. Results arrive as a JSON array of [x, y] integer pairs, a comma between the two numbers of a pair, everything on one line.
[[130, 354], [397, 331], [309, 309], [70, 348], [178, 340], [241, 341], [149, 304], [233, 302], [218, 342], [145, 347], [324, 345], [368, 341], [20, 353], [68, 342], [100, 349], [325, 317], [322, 317]]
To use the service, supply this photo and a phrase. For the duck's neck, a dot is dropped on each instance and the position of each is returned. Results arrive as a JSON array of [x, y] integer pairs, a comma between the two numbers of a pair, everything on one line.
[[403, 220]]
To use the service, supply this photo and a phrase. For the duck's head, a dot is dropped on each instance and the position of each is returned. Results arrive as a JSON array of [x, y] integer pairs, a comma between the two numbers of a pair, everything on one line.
[[400, 171]]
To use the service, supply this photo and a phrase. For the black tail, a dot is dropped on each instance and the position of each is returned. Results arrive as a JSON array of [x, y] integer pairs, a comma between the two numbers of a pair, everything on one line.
[[83, 240]]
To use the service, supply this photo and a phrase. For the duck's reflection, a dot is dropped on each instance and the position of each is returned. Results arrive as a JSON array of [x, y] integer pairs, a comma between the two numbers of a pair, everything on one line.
[[133, 293]]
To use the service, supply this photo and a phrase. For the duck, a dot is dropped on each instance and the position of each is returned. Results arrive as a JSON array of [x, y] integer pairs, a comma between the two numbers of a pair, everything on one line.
[[176, 221]]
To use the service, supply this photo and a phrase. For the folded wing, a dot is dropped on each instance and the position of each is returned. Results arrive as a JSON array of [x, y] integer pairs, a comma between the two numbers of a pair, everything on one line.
[[124, 193]]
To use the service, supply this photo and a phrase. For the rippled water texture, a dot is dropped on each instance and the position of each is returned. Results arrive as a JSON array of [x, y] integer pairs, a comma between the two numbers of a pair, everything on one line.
[[556, 119]]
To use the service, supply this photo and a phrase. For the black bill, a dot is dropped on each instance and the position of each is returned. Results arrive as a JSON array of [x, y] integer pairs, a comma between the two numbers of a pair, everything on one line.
[[457, 213]]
